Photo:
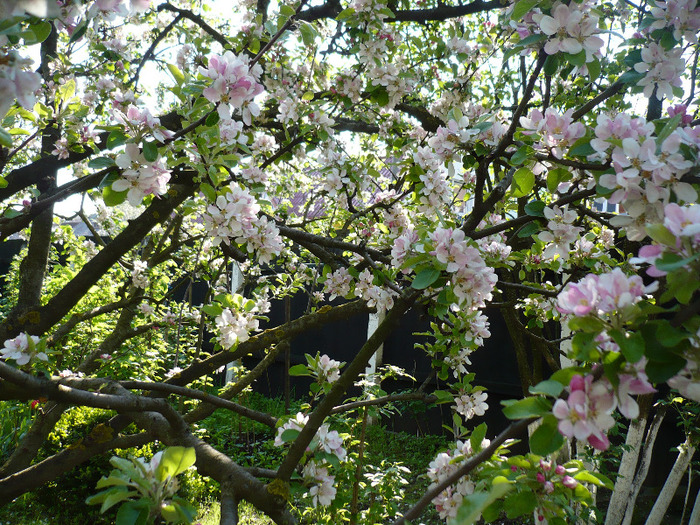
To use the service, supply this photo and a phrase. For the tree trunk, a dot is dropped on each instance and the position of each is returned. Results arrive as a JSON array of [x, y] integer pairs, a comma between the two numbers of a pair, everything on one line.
[[685, 454], [628, 465]]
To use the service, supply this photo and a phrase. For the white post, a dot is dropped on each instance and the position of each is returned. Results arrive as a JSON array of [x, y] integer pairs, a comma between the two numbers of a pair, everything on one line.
[[237, 279], [373, 323]]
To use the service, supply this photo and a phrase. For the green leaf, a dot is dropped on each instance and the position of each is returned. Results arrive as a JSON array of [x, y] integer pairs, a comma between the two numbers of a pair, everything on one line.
[[546, 438], [5, 138], [549, 387], [631, 344], [557, 176], [523, 182], [529, 407], [308, 34], [289, 435], [520, 503], [474, 504], [522, 8], [528, 230], [425, 278], [174, 461], [587, 324], [41, 31], [669, 262], [443, 396], [578, 59], [116, 138], [176, 73], [477, 437], [581, 148], [116, 495], [345, 13], [209, 192], [668, 128], [662, 371], [551, 64], [113, 480], [78, 32], [670, 336], [593, 69], [150, 150], [100, 163], [631, 77], [535, 208], [661, 234], [113, 198], [133, 513], [3, 182], [212, 310], [299, 370], [521, 155], [589, 477]]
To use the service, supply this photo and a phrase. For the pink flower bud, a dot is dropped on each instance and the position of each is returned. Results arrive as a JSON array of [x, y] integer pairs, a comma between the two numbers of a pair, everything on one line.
[[560, 470], [549, 487], [540, 477], [569, 482]]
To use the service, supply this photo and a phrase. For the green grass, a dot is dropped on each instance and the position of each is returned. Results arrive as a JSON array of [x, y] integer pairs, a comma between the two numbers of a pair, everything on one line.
[[209, 514]]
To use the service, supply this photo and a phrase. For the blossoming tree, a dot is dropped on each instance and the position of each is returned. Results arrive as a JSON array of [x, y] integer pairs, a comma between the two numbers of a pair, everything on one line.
[[448, 156]]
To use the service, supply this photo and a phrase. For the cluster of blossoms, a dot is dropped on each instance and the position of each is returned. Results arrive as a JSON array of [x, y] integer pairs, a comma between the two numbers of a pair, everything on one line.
[[435, 192], [602, 294], [681, 16], [446, 463], [338, 283], [380, 298], [472, 280], [326, 369], [572, 28], [586, 414], [315, 471], [140, 177], [646, 170], [549, 476], [15, 83], [662, 70], [234, 215], [23, 349], [472, 404], [235, 325], [561, 232], [448, 137], [555, 131], [682, 229], [140, 122], [234, 85], [139, 275]]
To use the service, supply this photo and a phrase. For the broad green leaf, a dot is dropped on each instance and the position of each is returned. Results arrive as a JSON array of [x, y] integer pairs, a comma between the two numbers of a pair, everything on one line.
[[528, 230], [551, 64], [212, 310], [308, 34], [113, 198], [116, 138], [546, 438], [299, 370], [669, 262], [529, 407], [590, 477], [522, 8], [100, 163], [581, 148], [289, 435], [174, 461], [631, 344], [113, 480], [549, 387], [670, 336], [668, 128], [523, 182], [209, 192], [176, 73], [535, 208], [3, 182], [474, 504], [477, 437], [133, 513], [520, 503], [116, 495], [5, 138], [150, 150], [661, 234], [425, 278]]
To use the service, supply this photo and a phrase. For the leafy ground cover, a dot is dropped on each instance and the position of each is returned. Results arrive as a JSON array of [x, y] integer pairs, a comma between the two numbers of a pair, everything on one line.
[[385, 454]]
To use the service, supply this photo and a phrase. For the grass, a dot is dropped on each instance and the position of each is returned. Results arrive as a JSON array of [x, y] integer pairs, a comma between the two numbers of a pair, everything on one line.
[[210, 514]]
